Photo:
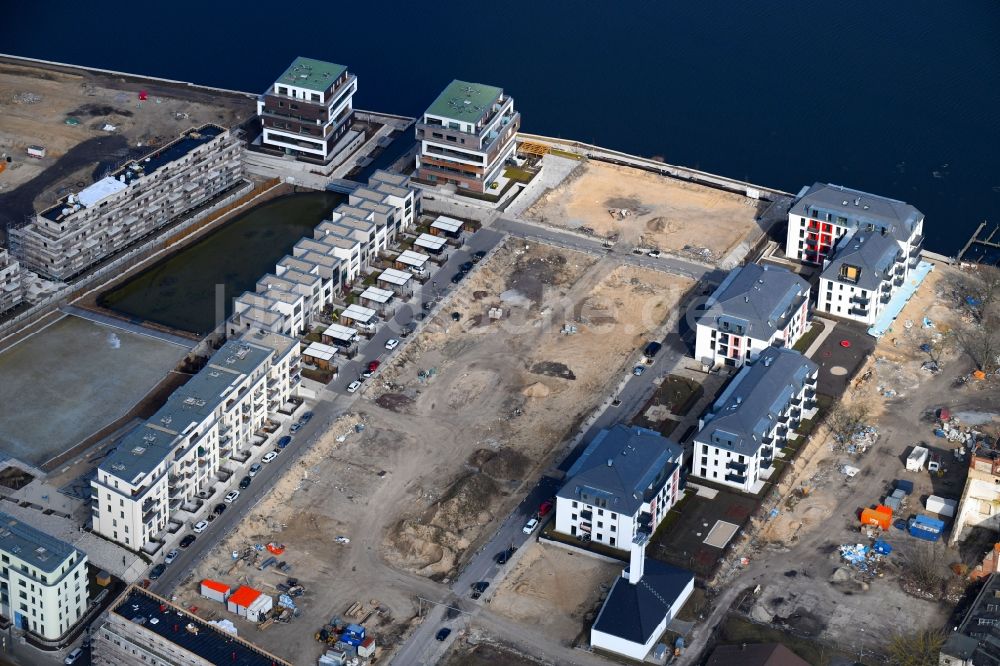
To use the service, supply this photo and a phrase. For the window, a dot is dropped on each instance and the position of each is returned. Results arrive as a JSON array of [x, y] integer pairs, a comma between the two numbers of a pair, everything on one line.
[[612, 541], [614, 529], [600, 512], [600, 524], [574, 505]]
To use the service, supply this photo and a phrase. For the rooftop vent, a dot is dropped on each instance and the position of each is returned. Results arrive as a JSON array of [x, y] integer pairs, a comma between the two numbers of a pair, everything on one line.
[[611, 461], [138, 451]]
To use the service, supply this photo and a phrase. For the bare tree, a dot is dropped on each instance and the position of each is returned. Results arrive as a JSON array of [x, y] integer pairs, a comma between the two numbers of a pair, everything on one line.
[[846, 420], [921, 648], [926, 567]]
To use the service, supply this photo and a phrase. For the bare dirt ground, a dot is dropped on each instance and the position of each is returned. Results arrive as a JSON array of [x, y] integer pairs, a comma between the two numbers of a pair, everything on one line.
[[479, 649], [660, 212], [36, 101], [545, 591]]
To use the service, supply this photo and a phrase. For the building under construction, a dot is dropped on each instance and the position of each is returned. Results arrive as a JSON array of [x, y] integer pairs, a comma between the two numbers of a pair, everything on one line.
[[141, 197], [11, 287]]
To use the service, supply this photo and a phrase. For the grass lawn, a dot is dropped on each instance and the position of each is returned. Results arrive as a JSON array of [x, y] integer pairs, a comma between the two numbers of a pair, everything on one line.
[[518, 174], [563, 153], [679, 394], [803, 344]]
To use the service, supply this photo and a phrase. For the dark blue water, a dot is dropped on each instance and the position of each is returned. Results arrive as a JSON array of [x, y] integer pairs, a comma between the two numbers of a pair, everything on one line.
[[899, 97]]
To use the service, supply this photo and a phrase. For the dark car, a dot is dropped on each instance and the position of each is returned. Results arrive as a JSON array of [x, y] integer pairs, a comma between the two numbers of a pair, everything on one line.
[[466, 267], [245, 482], [455, 316], [187, 541], [442, 633], [652, 349], [284, 441], [305, 417], [478, 256], [157, 571], [428, 305], [219, 509], [458, 277], [479, 588], [504, 557]]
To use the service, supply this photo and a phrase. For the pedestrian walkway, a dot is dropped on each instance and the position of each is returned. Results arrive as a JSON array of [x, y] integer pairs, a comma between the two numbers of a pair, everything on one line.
[[131, 327]]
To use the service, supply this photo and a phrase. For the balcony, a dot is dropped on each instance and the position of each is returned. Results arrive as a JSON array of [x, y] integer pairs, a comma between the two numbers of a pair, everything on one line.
[[898, 282], [767, 452], [736, 478], [858, 312], [736, 466], [860, 300], [586, 515], [885, 298]]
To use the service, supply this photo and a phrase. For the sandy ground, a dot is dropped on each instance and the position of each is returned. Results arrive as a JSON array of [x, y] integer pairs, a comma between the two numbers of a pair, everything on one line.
[[480, 649], [662, 213], [555, 591], [35, 102]]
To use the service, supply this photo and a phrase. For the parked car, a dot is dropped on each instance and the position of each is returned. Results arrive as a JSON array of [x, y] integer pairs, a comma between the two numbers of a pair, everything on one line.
[[428, 305], [246, 481], [269, 456], [466, 267], [442, 633], [171, 556], [295, 427], [351, 388], [342, 539], [373, 366], [157, 571], [391, 343], [306, 418], [530, 526], [187, 540], [504, 556], [654, 253], [638, 370], [544, 508], [456, 316], [232, 495], [478, 256], [72, 657], [480, 587], [200, 526], [284, 441], [219, 509], [421, 316], [254, 469], [457, 277], [652, 349]]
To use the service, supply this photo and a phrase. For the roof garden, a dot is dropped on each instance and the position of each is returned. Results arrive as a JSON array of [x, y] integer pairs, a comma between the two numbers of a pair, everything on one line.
[[311, 74], [465, 102]]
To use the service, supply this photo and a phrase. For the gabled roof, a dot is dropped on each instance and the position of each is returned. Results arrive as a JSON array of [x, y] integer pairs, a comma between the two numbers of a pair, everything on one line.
[[761, 299], [860, 208], [633, 612], [755, 654], [871, 252], [619, 466], [749, 407]]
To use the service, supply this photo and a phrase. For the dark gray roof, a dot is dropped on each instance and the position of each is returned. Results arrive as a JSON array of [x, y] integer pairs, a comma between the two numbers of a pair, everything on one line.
[[860, 208], [621, 467], [977, 635], [35, 547], [748, 408], [633, 612], [760, 299], [755, 654], [872, 252]]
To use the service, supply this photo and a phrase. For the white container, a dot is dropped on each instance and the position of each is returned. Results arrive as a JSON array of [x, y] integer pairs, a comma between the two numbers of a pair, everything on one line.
[[917, 459], [941, 506]]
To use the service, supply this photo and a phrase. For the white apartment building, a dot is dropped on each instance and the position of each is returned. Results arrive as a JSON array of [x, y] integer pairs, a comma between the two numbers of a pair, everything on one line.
[[823, 214], [43, 580], [623, 484], [466, 136], [131, 203], [754, 417], [754, 308], [11, 285], [165, 463]]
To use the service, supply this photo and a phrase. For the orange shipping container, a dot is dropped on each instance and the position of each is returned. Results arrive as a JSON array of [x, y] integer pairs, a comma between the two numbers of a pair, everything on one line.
[[881, 508], [872, 517]]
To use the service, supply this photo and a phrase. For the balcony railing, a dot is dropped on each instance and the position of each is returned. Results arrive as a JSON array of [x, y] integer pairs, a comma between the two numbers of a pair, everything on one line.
[[736, 478], [737, 466]]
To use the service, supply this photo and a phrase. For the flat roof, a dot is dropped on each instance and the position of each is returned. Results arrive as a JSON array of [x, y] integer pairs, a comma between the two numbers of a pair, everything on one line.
[[339, 332], [190, 632], [430, 242], [393, 276], [40, 550], [320, 351], [99, 191], [358, 313], [412, 258], [377, 295], [464, 101], [311, 74], [446, 223]]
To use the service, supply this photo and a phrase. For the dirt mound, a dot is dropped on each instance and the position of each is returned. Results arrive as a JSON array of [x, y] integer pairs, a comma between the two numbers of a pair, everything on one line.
[[95, 110], [397, 402], [536, 390], [467, 503], [424, 549], [553, 369], [502, 465], [479, 295]]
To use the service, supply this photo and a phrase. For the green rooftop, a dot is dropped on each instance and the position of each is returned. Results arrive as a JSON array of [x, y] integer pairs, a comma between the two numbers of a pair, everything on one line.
[[465, 102], [311, 74]]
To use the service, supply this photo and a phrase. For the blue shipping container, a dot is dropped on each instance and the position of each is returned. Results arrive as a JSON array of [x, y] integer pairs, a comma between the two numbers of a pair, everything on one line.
[[355, 630], [905, 486], [926, 528]]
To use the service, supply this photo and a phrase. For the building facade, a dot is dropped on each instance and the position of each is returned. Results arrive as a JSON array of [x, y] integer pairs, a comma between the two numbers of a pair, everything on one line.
[[823, 214], [308, 110], [43, 580], [623, 484], [754, 417], [136, 200], [466, 136], [165, 464], [754, 308], [143, 628], [976, 641], [11, 282]]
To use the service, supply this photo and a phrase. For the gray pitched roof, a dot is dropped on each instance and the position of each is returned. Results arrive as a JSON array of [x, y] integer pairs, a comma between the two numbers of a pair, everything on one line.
[[758, 299], [35, 547], [872, 252], [620, 466], [860, 208], [749, 407], [633, 612]]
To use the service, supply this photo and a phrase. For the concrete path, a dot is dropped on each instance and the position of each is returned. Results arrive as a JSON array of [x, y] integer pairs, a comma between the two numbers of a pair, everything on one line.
[[123, 325]]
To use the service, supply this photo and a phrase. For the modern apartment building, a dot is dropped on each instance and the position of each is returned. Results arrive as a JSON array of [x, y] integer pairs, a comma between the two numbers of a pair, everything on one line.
[[143, 628], [133, 202], [11, 285], [165, 464], [288, 300], [754, 417], [823, 214], [624, 483], [754, 308], [466, 136], [43, 581], [308, 110]]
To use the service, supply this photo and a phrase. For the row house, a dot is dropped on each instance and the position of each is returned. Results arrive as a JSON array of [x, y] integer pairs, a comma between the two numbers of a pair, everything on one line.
[[175, 456], [754, 308], [623, 484], [11, 282], [754, 417], [466, 136], [134, 201]]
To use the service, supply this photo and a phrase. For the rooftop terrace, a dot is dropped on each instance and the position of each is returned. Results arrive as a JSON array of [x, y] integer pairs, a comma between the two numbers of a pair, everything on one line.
[[465, 102], [311, 74]]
